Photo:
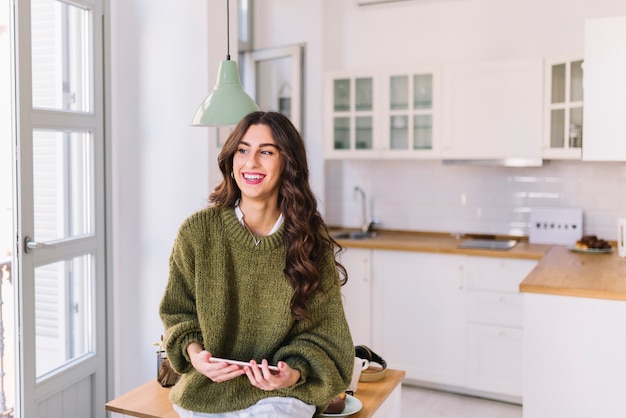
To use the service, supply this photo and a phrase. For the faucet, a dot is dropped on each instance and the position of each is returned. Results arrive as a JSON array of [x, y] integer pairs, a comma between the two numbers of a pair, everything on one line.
[[367, 223]]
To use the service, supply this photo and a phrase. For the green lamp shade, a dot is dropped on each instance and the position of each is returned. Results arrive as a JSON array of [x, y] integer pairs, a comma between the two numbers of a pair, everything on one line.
[[228, 103]]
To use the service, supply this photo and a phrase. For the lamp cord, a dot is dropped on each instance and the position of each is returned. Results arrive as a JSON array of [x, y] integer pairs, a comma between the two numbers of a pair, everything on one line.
[[228, 30]]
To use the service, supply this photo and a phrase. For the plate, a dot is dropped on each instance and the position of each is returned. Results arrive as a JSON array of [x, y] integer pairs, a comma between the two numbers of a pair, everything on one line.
[[591, 250], [353, 405]]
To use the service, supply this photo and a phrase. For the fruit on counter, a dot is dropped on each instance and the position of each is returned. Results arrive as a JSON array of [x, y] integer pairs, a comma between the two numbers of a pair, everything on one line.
[[337, 405], [591, 242]]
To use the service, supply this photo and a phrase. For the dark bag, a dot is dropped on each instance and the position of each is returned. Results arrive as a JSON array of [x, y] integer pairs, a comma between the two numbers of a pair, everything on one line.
[[166, 375]]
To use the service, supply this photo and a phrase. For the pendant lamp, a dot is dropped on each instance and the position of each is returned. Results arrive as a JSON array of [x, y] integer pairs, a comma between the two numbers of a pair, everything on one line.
[[228, 103]]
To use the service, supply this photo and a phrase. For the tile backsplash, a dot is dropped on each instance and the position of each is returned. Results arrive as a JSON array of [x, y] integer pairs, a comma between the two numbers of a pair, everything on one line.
[[437, 197]]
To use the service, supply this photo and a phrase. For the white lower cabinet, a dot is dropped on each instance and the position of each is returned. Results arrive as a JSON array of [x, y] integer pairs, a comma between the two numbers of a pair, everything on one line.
[[495, 359], [451, 321], [574, 362], [419, 315], [495, 324], [357, 294]]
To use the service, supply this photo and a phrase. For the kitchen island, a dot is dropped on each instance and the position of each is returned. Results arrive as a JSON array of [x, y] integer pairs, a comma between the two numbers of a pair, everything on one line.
[[574, 312], [574, 336]]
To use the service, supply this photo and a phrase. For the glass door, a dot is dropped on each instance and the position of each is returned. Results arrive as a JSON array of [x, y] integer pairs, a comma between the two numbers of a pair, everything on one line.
[[411, 113], [351, 115], [564, 109], [59, 209]]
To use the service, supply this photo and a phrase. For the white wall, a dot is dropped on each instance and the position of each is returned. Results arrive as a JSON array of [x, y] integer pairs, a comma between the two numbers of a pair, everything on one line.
[[430, 196], [281, 23], [164, 62], [426, 195], [164, 59], [159, 64]]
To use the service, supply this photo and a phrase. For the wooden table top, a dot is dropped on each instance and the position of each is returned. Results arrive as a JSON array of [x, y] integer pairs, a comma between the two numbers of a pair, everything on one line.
[[373, 394], [151, 400]]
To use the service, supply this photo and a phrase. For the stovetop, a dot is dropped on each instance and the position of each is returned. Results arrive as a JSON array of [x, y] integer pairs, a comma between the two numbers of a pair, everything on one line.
[[489, 244]]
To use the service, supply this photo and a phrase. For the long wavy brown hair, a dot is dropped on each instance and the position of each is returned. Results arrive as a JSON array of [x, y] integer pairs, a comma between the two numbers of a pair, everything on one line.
[[306, 234]]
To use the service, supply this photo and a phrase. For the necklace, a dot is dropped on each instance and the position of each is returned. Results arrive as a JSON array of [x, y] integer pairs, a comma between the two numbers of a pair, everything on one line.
[[256, 240]]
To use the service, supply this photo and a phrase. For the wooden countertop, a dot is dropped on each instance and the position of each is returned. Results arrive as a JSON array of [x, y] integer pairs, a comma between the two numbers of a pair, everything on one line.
[[151, 400], [559, 271], [441, 243], [567, 273]]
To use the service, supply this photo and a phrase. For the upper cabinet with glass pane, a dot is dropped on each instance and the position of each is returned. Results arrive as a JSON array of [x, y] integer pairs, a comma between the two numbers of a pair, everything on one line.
[[411, 113], [394, 115], [563, 119], [351, 114]]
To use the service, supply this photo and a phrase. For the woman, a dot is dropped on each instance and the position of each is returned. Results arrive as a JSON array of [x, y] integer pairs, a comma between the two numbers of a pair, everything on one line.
[[253, 277]]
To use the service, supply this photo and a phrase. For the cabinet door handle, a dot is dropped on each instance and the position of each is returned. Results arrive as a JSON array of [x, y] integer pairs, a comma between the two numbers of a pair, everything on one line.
[[461, 278]]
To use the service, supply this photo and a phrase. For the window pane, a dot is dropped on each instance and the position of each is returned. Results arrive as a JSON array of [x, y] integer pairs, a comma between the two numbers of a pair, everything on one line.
[[423, 91], [423, 131], [399, 92], [399, 132], [576, 127], [558, 83], [576, 87], [63, 312], [342, 133], [364, 99], [61, 55], [342, 95], [364, 132], [63, 184], [557, 128]]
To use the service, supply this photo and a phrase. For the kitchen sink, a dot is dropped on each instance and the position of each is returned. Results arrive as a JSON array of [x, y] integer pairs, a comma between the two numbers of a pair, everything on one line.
[[354, 235], [489, 244]]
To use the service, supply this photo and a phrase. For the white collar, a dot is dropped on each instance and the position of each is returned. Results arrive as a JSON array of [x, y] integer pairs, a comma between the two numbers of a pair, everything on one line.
[[239, 214]]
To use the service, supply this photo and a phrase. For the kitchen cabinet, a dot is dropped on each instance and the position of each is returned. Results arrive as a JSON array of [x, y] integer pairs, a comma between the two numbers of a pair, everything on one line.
[[563, 108], [411, 113], [352, 115], [357, 293], [419, 315], [451, 321], [383, 114], [495, 324], [605, 89], [574, 363], [493, 110]]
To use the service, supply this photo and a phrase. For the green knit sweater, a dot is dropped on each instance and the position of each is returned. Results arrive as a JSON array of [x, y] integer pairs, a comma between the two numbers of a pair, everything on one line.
[[231, 296]]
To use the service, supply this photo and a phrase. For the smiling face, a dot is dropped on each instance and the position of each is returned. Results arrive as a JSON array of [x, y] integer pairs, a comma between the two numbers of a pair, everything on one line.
[[258, 165]]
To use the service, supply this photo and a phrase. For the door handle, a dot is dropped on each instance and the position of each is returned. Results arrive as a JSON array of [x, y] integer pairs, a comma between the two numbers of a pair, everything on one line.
[[30, 245]]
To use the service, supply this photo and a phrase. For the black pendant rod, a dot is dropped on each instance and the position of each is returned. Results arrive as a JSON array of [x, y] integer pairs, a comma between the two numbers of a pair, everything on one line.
[[228, 30]]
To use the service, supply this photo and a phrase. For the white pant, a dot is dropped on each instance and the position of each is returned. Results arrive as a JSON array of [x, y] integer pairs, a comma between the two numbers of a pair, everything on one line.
[[266, 408]]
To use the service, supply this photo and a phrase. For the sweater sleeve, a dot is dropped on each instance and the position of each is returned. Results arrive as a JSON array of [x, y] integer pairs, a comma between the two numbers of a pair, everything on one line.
[[322, 349], [178, 304]]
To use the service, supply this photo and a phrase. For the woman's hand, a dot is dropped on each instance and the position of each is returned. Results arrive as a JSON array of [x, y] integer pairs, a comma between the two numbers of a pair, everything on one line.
[[217, 372], [264, 378]]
